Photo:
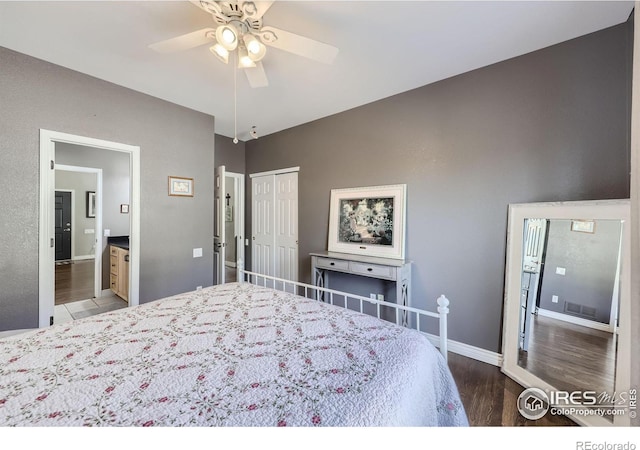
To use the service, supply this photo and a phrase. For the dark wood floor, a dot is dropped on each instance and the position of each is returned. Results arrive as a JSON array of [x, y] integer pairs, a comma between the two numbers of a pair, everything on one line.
[[74, 281], [570, 357], [490, 397]]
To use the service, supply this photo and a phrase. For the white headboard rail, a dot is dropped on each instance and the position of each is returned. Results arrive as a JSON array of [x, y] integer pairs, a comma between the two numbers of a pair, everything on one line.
[[331, 296]]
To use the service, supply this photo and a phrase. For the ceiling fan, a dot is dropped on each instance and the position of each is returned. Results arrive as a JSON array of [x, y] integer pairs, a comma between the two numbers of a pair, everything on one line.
[[240, 29]]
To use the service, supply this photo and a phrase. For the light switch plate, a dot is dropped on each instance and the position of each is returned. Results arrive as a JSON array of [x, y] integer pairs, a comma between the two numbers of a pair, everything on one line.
[[561, 270], [197, 252]]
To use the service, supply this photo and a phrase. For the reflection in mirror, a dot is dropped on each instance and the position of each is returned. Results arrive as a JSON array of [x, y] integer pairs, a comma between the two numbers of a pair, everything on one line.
[[565, 290]]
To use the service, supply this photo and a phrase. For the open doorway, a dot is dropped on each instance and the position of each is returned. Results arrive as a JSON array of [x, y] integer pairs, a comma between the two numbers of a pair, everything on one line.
[[234, 224], [53, 147], [229, 240]]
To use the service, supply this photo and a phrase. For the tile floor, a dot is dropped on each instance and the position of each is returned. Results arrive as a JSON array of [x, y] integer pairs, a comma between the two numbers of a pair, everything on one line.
[[85, 308]]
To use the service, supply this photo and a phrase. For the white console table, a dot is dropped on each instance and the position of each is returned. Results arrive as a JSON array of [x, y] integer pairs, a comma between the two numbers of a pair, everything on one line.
[[394, 270]]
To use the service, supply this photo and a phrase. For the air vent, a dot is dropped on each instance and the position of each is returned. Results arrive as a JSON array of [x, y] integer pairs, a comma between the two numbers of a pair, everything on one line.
[[580, 310]]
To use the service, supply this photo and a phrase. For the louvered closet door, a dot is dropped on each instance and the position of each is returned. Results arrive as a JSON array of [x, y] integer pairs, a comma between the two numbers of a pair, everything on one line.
[[262, 224]]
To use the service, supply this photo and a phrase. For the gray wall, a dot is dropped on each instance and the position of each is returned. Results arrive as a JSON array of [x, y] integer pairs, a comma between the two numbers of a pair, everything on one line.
[[80, 183], [230, 155], [550, 125], [173, 141], [590, 261], [115, 190]]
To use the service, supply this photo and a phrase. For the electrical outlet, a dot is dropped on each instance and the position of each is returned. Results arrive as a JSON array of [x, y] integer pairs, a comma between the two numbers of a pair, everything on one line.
[[554, 298], [198, 288], [372, 296], [381, 297]]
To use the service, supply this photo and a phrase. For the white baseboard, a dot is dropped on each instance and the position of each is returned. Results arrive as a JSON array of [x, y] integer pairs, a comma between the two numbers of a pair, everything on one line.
[[8, 333], [575, 320], [479, 354], [83, 257], [230, 264]]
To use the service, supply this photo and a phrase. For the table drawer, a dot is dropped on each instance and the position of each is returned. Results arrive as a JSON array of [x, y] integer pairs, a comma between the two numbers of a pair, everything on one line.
[[333, 264], [114, 282], [114, 250], [372, 270]]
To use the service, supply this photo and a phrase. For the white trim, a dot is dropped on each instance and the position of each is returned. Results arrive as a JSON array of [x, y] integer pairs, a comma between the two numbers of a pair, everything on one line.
[[46, 282], [4, 334], [469, 351], [615, 296], [97, 270], [83, 257], [575, 320], [275, 172]]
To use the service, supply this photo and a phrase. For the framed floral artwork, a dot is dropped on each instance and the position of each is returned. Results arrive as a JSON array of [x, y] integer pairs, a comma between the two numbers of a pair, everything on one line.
[[368, 221]]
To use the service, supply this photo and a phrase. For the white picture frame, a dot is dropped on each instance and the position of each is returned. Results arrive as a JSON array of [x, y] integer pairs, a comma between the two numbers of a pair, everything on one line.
[[368, 221]]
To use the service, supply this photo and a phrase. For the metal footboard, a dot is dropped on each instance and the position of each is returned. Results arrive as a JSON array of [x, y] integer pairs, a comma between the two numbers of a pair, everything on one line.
[[356, 302]]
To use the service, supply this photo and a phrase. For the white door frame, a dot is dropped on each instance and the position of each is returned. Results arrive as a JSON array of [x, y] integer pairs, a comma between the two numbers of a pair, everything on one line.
[[97, 280], [46, 283], [238, 206]]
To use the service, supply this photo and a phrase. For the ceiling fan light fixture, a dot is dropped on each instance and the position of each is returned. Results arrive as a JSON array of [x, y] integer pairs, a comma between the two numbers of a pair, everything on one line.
[[244, 60], [227, 36], [255, 48], [221, 53]]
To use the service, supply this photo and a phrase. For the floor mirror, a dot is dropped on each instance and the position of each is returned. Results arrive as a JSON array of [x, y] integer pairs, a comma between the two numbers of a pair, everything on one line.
[[566, 313]]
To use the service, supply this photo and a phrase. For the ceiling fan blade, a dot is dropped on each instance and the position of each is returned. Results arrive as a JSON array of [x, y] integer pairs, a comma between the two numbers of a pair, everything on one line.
[[257, 76], [184, 42], [299, 45]]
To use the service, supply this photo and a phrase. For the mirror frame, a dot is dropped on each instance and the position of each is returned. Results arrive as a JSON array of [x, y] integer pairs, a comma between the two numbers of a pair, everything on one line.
[[597, 210]]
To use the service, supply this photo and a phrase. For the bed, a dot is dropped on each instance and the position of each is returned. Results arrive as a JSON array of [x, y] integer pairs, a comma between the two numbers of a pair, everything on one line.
[[236, 354]]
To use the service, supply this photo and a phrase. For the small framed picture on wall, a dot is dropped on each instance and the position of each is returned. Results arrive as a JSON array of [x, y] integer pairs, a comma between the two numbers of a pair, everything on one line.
[[180, 187]]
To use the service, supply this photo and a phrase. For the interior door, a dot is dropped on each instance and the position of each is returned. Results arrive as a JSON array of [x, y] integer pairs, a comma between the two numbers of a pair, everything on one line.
[[219, 243], [63, 225], [274, 224], [262, 222], [286, 230]]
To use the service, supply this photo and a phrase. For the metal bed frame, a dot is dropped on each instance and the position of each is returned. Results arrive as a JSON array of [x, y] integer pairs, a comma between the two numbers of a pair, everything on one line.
[[404, 315]]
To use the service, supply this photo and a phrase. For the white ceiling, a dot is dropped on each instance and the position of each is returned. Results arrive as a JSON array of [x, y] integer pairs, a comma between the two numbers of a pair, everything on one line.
[[386, 47]]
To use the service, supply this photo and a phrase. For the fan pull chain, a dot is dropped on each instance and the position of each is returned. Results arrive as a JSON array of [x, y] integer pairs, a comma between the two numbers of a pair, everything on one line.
[[235, 98]]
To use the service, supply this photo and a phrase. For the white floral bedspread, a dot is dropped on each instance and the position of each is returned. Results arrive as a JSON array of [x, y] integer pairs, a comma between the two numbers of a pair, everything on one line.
[[229, 355]]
